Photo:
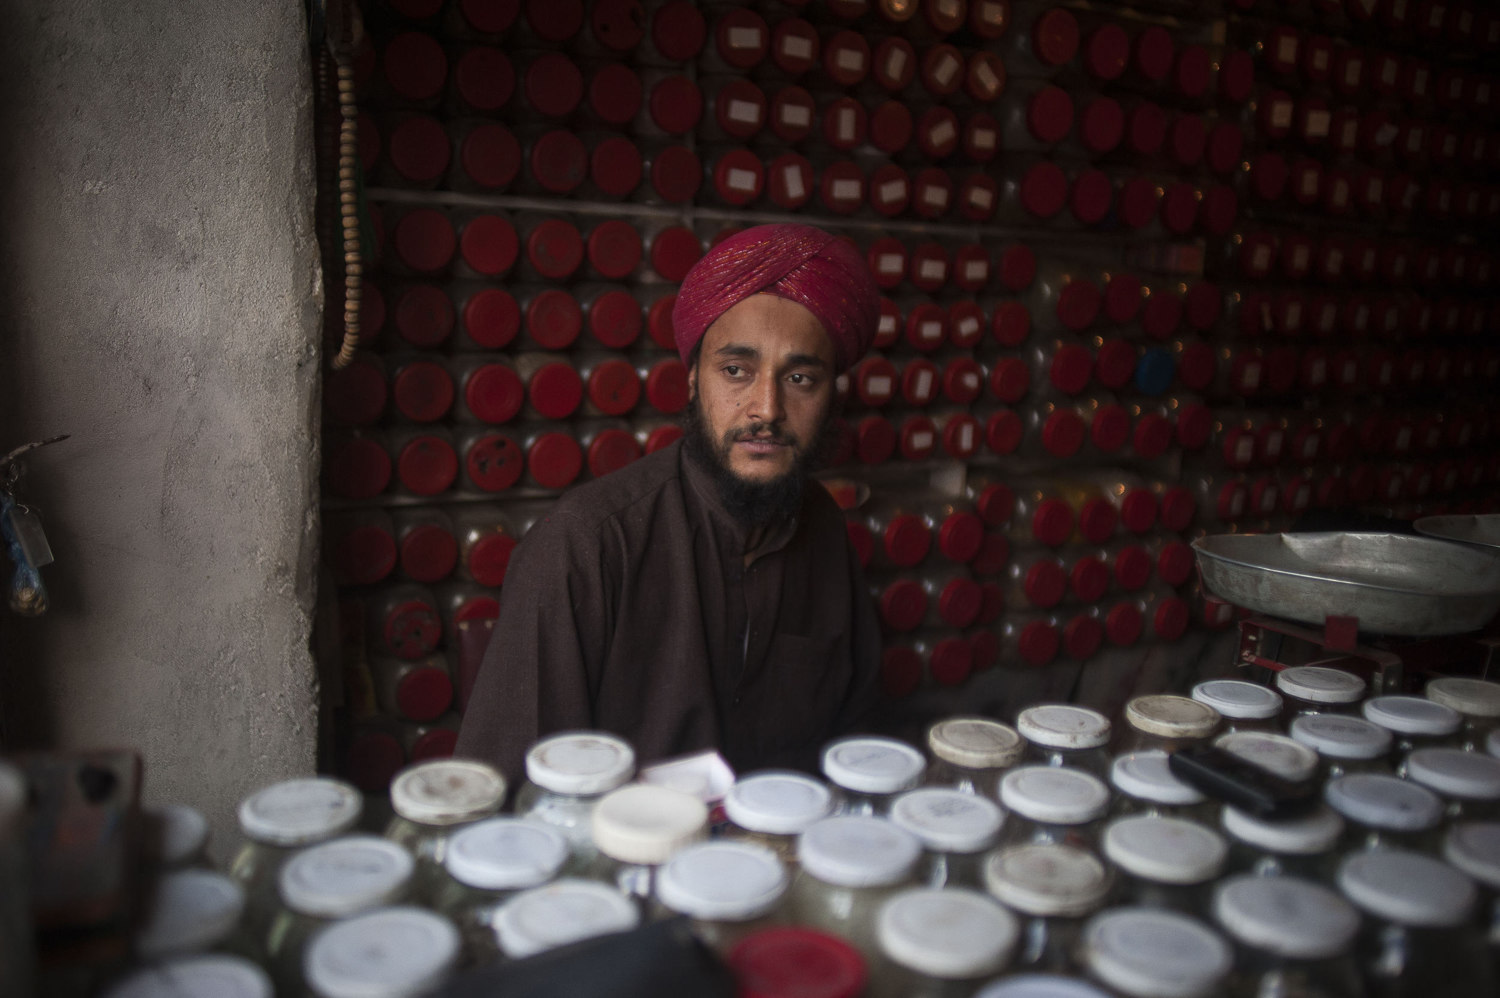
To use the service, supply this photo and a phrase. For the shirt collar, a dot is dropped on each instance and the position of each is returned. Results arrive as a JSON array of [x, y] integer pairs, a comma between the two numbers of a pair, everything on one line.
[[702, 486]]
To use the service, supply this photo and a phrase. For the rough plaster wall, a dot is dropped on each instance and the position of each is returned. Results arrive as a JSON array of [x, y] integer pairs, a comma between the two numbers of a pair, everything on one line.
[[159, 301]]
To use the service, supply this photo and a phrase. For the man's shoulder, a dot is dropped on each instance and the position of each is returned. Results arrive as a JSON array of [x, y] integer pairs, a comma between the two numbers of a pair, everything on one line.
[[588, 506]]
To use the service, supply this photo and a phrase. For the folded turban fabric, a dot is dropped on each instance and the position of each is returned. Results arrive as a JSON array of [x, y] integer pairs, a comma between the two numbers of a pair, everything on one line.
[[818, 271]]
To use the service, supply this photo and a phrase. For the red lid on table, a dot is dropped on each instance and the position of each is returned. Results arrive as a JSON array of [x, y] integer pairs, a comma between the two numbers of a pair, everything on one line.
[[917, 438], [919, 381], [1162, 314], [553, 319], [494, 462], [929, 266], [1038, 643], [965, 325], [554, 85], [425, 240], [491, 156], [1177, 508], [1283, 49], [1194, 424], [489, 17], [1044, 189], [971, 267], [494, 393], [1123, 624], [1257, 255], [1224, 144], [981, 138], [555, 20], [960, 537], [794, 46], [1152, 435], [1049, 115], [428, 553], [937, 133], [1170, 619], [662, 436], [888, 327], [1203, 304], [1101, 125], [989, 18], [1138, 510], [1063, 433], [1139, 198], [678, 30], [1236, 77], [1110, 428], [1045, 584], [555, 459], [1276, 114], [963, 380], [906, 539], [555, 390], [614, 388], [1078, 304], [894, 64], [942, 70], [1092, 194], [742, 38], [961, 436], [846, 58], [423, 391], [890, 127], [618, 24], [667, 386], [615, 319], [1146, 129], [676, 174], [1011, 323], [1132, 567], [932, 193], [674, 251], [1193, 71], [1052, 523], [738, 177], [1154, 53], [842, 187], [775, 963], [364, 555], [355, 395], [415, 66], [952, 659], [890, 192], [1097, 520], [900, 675], [1179, 208], [611, 450], [1003, 432], [1082, 636], [419, 148], [358, 469], [1186, 139], [615, 166], [903, 605], [887, 260], [926, 327], [1017, 267], [489, 245], [1106, 52], [675, 104], [1010, 379], [1054, 37], [1115, 363], [427, 465], [874, 381], [559, 161], [1264, 496], [984, 78], [740, 108], [995, 503], [1175, 563], [1089, 579]]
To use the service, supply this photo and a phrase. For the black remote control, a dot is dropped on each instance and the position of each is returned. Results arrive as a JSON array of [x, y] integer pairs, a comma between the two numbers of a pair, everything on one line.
[[1240, 783]]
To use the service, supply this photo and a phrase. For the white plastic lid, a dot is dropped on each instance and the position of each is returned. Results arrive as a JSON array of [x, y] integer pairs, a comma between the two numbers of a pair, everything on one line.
[[1412, 715], [1166, 850], [1168, 716], [1286, 916], [386, 953], [562, 912], [1456, 773], [1474, 847], [1385, 802], [873, 765], [1335, 736], [580, 763], [857, 851], [1046, 879], [946, 820], [447, 791], [1474, 697], [1307, 834], [505, 854], [188, 911], [722, 881], [179, 834], [1151, 953], [646, 825], [951, 933], [1320, 684], [345, 876], [298, 812], [1407, 888], [975, 743], [1063, 726], [777, 803], [210, 974], [1146, 775], [1041, 986], [1054, 795], [1239, 699], [1281, 755]]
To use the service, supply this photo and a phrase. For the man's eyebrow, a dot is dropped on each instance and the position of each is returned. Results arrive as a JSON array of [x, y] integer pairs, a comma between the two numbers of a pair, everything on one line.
[[736, 350], [805, 360]]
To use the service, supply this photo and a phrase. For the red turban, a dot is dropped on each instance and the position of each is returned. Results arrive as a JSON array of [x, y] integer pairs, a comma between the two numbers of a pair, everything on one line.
[[818, 271]]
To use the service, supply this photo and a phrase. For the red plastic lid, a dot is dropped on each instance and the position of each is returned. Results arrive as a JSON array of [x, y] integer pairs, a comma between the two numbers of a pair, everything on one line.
[[615, 319], [742, 38], [842, 187], [984, 78], [1179, 208], [1170, 620], [932, 194], [900, 675], [494, 462], [966, 327], [1122, 297], [1115, 363], [1044, 189], [1177, 508], [1011, 323], [906, 540], [675, 105], [846, 58], [959, 603], [903, 605], [1162, 315], [1082, 637], [1063, 433], [981, 138], [559, 161], [1045, 584], [1017, 267], [1003, 432], [989, 18], [1097, 520], [1236, 76], [555, 20], [1193, 72], [1225, 143], [740, 108], [894, 64], [1152, 435], [1092, 193], [794, 46], [1101, 126], [618, 24], [425, 240], [1071, 368], [994, 552], [1038, 643], [875, 381], [355, 396], [1078, 304], [952, 660], [438, 743], [364, 555], [419, 148], [423, 391], [614, 248], [1106, 51], [1154, 53], [1187, 138], [1220, 208], [553, 319], [494, 393], [1052, 523], [890, 193], [844, 123], [887, 259], [428, 553], [676, 174], [358, 469], [961, 436], [555, 459], [1138, 510], [1054, 37], [1146, 129], [555, 390], [489, 245], [662, 436], [490, 17], [667, 386], [415, 66], [890, 127], [616, 168], [554, 86], [614, 388], [491, 156], [1194, 425], [373, 758], [427, 465], [995, 504], [917, 438], [611, 450], [674, 251], [1123, 624], [1089, 579], [678, 30], [1110, 428], [1175, 563], [1049, 115], [971, 269], [1009, 379], [874, 440], [929, 266], [942, 70], [1138, 202], [1132, 567]]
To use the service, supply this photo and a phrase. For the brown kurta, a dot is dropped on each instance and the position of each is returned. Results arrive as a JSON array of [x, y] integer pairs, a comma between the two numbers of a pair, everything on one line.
[[629, 608]]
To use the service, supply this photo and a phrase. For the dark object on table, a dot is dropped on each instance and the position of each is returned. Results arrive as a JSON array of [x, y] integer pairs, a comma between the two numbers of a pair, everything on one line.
[[1253, 789]]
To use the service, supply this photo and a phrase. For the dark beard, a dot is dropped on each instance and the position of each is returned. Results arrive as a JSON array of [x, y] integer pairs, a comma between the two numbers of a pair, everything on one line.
[[754, 504]]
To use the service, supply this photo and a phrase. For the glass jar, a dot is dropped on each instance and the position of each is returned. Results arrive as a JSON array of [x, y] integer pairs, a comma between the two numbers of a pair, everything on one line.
[[970, 754], [1415, 940], [1145, 953], [729, 889], [871, 771], [938, 943], [1291, 936], [799, 962], [954, 829], [1053, 804], [850, 864], [1146, 785], [209, 974], [1468, 782], [1317, 689], [1164, 862], [562, 912], [191, 911], [1040, 986], [771, 808], [1301, 846], [1245, 706], [174, 836], [1166, 722], [566, 775], [325, 883], [1344, 744], [1414, 722], [1477, 700], [399, 952], [1281, 755], [279, 820], [1492, 743], [1053, 888], [1064, 735], [486, 864], [636, 829], [1474, 848], [1384, 811], [433, 798]]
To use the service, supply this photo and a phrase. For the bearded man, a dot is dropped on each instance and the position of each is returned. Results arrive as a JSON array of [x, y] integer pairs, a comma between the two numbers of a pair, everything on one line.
[[706, 596]]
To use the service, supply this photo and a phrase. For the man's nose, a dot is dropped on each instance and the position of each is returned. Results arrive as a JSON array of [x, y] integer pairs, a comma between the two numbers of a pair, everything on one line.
[[766, 401]]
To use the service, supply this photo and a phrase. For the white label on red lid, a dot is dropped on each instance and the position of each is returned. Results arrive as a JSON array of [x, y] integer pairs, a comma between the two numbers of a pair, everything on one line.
[[744, 38], [1369, 6], [1388, 70], [895, 62], [1393, 490], [976, 270], [1286, 50], [1317, 124], [796, 47], [1361, 317], [1340, 196], [966, 437], [892, 191], [1482, 93], [922, 390], [1334, 262], [987, 78], [921, 441], [1351, 72], [1281, 114], [930, 332], [1376, 192], [1435, 19], [1325, 324], [932, 270], [1294, 315], [1299, 255], [1386, 134], [1244, 450], [970, 381], [968, 326], [1419, 83], [846, 124], [1269, 498], [792, 178], [1301, 498], [1309, 448], [1351, 134], [887, 325], [846, 190], [942, 133], [992, 13], [1403, 438], [1398, 10], [1320, 60], [935, 196], [983, 138], [1261, 258], [1237, 504], [1384, 372], [879, 386], [851, 59], [1250, 376], [888, 263], [944, 71], [1391, 320], [744, 110], [741, 180], [1351, 372], [1309, 184], [796, 115], [1414, 141], [1273, 444]]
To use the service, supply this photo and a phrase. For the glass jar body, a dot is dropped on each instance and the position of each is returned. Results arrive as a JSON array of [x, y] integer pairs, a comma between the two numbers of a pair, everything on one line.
[[1048, 943], [428, 845], [1258, 974], [1095, 760], [784, 846], [1293, 707], [951, 869], [848, 912], [1136, 740], [1397, 961], [1124, 805], [1187, 899], [985, 782], [846, 801], [891, 980], [256, 867], [472, 909], [1021, 830], [1245, 858], [570, 814]]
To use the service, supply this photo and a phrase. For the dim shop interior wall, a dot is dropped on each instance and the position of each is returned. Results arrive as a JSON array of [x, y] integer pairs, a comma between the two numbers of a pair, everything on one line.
[[159, 300]]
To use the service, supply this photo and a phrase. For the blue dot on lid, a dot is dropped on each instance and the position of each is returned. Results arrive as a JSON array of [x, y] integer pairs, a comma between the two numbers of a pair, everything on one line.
[[1155, 370]]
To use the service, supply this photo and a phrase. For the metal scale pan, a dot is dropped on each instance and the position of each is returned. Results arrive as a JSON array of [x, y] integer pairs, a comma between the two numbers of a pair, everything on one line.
[[1480, 531], [1391, 583]]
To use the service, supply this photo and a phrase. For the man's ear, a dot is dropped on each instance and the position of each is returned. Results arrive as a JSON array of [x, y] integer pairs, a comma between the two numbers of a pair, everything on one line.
[[692, 380]]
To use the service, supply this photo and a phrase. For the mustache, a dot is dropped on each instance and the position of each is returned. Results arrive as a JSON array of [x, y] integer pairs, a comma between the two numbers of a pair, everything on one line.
[[763, 434]]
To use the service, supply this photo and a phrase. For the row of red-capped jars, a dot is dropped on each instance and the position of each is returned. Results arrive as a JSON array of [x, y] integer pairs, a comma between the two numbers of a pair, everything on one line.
[[1342, 258], [1307, 185], [1463, 25], [1244, 439], [1245, 500]]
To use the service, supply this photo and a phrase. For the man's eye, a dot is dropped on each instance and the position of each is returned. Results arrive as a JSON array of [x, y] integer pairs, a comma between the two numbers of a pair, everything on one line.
[[732, 370]]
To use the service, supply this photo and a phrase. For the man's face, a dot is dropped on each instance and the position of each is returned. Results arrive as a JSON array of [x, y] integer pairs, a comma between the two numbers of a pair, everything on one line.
[[764, 387]]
